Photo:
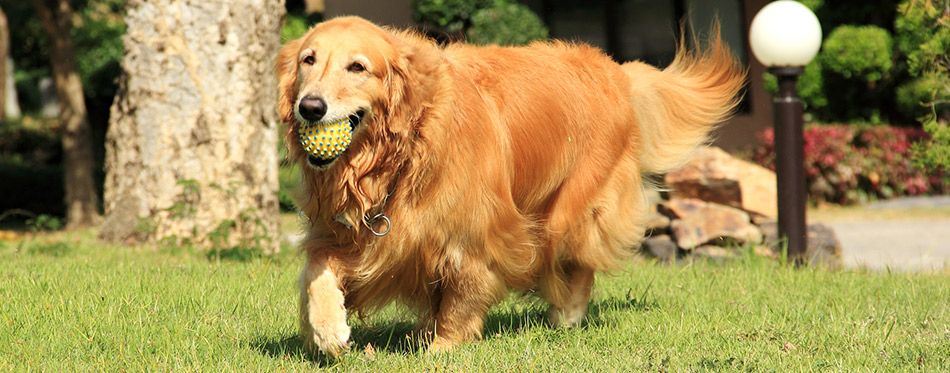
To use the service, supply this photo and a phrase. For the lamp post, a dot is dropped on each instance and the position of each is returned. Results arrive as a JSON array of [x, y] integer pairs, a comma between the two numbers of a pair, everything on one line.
[[785, 35]]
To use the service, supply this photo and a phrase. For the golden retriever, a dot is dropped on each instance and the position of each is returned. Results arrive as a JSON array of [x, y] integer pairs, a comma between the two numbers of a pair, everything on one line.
[[474, 170]]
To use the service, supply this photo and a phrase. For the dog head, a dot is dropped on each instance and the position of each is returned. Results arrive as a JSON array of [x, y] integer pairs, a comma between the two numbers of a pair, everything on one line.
[[349, 68]]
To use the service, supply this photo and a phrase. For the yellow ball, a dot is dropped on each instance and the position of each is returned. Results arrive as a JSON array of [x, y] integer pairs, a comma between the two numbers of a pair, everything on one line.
[[326, 141]]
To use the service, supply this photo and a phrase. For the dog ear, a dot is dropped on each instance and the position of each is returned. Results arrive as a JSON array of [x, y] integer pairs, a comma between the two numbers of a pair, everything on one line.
[[287, 79], [395, 83], [410, 79]]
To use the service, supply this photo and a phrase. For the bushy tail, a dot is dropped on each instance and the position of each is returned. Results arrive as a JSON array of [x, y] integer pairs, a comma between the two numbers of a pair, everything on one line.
[[678, 107]]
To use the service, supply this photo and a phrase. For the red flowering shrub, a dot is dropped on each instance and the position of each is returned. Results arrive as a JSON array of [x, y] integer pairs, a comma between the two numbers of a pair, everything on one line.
[[845, 164]]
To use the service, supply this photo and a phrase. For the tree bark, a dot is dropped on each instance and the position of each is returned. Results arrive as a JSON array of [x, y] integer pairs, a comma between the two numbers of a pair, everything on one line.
[[191, 150], [81, 200]]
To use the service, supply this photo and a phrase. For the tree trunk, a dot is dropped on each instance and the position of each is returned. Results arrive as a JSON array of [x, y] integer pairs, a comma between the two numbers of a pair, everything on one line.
[[81, 200], [191, 150]]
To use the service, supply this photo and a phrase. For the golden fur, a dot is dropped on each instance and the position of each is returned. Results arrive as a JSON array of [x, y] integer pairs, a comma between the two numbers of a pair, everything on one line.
[[505, 168]]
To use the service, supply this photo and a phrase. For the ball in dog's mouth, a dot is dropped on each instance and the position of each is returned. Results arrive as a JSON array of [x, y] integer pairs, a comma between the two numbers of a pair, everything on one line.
[[325, 142]]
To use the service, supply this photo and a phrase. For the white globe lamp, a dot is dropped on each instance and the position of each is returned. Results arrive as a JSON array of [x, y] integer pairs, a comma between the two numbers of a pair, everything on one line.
[[785, 33]]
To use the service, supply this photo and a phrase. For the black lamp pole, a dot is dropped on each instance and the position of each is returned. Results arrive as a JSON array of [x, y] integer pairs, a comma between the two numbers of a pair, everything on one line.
[[790, 162]]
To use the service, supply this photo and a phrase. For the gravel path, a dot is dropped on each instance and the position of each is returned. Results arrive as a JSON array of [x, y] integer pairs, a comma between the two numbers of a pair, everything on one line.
[[898, 245], [906, 244]]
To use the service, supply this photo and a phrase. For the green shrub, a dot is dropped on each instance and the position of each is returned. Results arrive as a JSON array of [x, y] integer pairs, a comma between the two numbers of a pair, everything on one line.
[[506, 23], [812, 4], [501, 22], [934, 155], [923, 35], [923, 28], [294, 27], [913, 96], [453, 15], [860, 52], [45, 222], [857, 64], [852, 164]]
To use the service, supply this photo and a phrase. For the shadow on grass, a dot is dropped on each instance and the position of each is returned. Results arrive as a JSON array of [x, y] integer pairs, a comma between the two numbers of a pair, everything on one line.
[[237, 254], [396, 337], [399, 337], [516, 321], [598, 309], [288, 347]]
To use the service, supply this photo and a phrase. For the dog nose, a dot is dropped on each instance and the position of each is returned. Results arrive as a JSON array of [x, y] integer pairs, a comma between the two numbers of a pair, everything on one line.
[[312, 108]]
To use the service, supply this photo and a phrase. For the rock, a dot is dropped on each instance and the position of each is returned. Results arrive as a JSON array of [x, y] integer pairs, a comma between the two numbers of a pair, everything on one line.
[[760, 220], [701, 222], [715, 176], [712, 252], [657, 223], [678, 208], [765, 251], [661, 246], [822, 245]]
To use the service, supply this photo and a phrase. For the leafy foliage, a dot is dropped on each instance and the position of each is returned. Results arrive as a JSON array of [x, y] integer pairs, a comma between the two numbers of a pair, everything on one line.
[[294, 27], [925, 96], [924, 37], [934, 155], [923, 34], [45, 222], [812, 4], [97, 32], [861, 52], [506, 23], [453, 15], [849, 164], [97, 29], [482, 21]]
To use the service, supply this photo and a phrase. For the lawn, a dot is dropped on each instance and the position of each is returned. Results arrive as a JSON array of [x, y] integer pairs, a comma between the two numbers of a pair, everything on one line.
[[70, 303]]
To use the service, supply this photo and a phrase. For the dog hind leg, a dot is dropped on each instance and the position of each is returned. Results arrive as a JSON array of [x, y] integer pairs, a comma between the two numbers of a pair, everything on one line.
[[466, 297]]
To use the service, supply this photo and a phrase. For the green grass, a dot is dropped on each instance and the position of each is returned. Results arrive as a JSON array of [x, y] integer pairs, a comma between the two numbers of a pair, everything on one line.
[[70, 303]]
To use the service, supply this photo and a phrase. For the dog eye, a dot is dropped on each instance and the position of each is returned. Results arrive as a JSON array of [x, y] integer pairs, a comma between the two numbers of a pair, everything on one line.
[[356, 67], [308, 60]]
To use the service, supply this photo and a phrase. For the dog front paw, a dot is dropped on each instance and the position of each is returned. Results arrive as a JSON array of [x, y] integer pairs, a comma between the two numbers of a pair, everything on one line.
[[331, 340], [567, 317], [322, 310]]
